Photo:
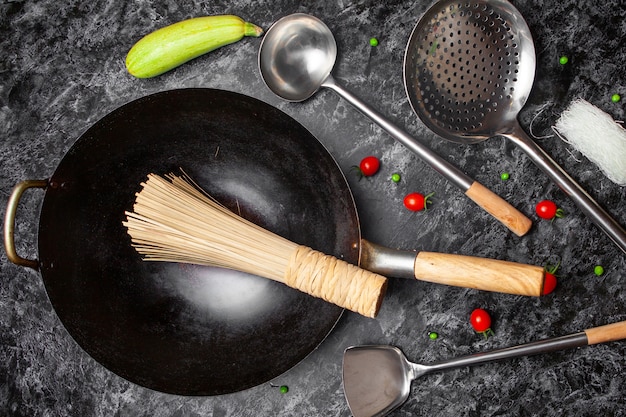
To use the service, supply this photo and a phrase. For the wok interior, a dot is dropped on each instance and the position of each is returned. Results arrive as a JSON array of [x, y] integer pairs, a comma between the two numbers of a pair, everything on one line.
[[187, 329], [469, 68]]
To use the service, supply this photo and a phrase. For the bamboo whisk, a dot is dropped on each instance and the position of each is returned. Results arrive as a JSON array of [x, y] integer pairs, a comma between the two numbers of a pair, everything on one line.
[[174, 220]]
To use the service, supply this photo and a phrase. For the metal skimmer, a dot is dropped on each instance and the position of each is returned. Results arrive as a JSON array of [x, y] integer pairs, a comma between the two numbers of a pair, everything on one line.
[[468, 69]]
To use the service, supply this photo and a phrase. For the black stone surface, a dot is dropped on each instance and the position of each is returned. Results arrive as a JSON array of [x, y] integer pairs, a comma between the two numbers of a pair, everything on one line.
[[62, 69]]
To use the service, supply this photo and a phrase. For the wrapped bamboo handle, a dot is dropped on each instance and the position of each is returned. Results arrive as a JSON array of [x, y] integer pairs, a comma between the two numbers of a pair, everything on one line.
[[606, 333], [499, 208], [480, 273], [335, 281]]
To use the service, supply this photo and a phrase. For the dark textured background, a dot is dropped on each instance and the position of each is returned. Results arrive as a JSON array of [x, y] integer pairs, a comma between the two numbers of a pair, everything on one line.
[[62, 69]]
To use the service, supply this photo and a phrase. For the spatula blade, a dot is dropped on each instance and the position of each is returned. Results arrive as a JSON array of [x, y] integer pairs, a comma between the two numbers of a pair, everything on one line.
[[376, 379]]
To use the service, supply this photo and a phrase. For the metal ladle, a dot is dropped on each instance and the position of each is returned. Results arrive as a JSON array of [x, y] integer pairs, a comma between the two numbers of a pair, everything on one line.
[[468, 70], [296, 57]]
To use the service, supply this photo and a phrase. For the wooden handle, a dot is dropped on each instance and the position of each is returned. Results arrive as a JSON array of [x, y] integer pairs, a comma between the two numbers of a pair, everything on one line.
[[335, 281], [480, 273], [499, 208], [606, 333]]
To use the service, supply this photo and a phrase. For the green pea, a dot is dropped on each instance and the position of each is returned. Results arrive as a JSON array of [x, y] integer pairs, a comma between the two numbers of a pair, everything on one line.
[[373, 42], [598, 270], [563, 60], [433, 335], [505, 176], [395, 177], [284, 389], [615, 98]]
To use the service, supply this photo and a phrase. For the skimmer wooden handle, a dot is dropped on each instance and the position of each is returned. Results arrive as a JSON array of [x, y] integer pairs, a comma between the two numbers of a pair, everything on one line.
[[480, 273], [499, 208], [335, 281]]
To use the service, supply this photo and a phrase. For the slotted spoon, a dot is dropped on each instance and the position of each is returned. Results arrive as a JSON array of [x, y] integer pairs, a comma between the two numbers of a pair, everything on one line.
[[469, 68]]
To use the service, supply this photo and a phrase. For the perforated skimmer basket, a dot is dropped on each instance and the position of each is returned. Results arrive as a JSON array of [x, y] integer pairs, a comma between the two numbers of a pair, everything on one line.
[[469, 68]]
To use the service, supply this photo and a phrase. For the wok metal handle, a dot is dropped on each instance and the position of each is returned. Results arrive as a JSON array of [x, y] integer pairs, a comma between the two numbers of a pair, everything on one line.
[[9, 222], [493, 204]]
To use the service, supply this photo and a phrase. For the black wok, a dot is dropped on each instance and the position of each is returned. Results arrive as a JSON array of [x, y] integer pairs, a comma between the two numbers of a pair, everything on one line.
[[196, 330], [187, 329]]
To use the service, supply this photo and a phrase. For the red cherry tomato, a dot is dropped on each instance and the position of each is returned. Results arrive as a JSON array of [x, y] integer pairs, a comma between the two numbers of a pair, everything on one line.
[[548, 210], [481, 322], [369, 166], [549, 283], [417, 201]]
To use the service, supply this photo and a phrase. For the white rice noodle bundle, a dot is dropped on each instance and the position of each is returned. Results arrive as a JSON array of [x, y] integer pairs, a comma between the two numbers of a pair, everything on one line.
[[597, 136]]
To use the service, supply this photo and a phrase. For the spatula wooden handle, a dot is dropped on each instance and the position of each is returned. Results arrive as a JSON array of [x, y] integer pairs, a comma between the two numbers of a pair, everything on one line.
[[606, 333], [480, 273], [499, 208]]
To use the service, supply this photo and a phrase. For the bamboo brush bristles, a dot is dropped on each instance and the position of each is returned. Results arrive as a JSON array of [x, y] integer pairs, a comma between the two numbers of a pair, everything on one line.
[[175, 221]]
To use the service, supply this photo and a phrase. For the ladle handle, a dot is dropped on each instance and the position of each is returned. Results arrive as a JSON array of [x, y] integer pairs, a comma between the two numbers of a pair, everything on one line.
[[499, 208], [585, 202], [493, 204]]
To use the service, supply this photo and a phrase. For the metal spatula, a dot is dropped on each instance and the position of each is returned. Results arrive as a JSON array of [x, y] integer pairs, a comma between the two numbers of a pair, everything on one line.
[[377, 379]]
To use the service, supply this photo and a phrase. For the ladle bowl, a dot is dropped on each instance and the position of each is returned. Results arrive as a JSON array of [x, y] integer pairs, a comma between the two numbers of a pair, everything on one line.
[[468, 69], [296, 57]]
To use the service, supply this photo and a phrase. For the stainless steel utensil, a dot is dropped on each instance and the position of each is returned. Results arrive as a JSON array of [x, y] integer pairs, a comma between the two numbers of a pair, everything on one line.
[[377, 379], [468, 70], [296, 57]]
